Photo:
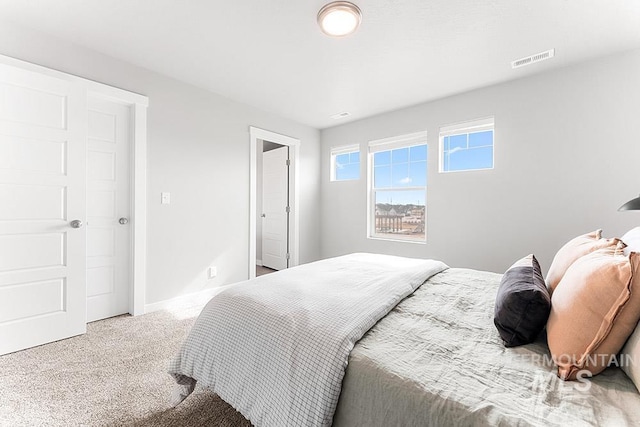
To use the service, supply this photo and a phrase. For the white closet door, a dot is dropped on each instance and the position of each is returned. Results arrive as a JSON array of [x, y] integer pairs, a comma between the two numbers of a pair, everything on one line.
[[42, 191], [108, 229]]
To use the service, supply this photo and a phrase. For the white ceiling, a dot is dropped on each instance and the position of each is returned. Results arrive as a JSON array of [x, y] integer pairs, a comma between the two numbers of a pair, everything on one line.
[[271, 54]]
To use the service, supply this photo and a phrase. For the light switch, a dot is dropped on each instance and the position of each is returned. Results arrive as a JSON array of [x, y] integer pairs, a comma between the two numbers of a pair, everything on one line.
[[166, 198]]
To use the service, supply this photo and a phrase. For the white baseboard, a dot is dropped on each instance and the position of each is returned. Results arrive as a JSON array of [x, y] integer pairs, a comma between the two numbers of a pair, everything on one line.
[[201, 297], [259, 262]]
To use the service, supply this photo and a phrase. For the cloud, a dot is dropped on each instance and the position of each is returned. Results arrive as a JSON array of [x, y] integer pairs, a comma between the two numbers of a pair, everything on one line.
[[340, 165], [455, 150], [406, 180]]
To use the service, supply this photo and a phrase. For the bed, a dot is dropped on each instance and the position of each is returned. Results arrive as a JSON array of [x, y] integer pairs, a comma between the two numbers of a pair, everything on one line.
[[432, 357]]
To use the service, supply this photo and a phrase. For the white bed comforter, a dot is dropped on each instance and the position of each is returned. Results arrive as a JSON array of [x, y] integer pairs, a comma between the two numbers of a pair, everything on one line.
[[276, 347]]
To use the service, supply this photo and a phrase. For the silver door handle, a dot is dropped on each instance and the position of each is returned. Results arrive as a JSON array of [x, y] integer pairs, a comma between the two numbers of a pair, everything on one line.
[[263, 215], [76, 223], [123, 221]]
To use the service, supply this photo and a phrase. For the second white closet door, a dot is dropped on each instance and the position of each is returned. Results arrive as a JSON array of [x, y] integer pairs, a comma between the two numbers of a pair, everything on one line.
[[108, 210]]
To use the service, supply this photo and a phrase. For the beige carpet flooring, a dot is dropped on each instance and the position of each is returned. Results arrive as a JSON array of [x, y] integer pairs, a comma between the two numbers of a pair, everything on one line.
[[261, 271], [115, 375]]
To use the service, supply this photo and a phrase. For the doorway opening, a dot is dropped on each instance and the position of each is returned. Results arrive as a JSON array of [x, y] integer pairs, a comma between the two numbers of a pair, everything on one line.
[[273, 209], [274, 213]]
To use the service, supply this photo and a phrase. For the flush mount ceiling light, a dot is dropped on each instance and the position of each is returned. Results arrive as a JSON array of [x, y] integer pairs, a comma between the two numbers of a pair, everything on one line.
[[339, 18]]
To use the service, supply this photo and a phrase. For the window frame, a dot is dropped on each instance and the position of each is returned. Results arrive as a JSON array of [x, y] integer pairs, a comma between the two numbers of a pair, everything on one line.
[[343, 149], [466, 128], [386, 144]]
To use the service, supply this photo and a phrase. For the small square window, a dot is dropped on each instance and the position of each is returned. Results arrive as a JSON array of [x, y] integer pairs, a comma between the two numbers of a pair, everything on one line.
[[467, 146], [345, 163]]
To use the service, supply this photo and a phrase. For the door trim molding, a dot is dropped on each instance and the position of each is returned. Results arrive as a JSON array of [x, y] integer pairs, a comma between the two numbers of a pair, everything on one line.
[[256, 135], [138, 104]]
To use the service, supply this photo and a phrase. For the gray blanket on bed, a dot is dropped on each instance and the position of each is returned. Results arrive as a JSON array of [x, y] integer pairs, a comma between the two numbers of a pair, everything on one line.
[[276, 347], [436, 360]]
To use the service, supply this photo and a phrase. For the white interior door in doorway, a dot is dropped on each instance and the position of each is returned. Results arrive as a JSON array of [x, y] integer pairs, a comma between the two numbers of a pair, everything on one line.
[[42, 189], [108, 209], [256, 138], [275, 208]]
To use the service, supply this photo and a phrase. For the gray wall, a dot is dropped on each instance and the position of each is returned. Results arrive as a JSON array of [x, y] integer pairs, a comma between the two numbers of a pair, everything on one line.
[[198, 149], [567, 155]]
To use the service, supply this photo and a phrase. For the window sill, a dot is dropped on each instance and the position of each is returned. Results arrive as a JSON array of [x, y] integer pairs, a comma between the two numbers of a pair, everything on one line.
[[387, 239]]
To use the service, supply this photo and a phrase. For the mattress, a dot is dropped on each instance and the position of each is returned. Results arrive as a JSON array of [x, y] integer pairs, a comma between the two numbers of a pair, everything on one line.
[[437, 360]]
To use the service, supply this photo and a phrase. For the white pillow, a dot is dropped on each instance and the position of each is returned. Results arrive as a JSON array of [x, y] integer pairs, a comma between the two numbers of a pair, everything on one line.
[[632, 240], [630, 360], [630, 357]]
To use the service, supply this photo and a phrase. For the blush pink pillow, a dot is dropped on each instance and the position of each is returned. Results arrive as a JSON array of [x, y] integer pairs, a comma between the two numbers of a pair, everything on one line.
[[594, 309], [573, 250]]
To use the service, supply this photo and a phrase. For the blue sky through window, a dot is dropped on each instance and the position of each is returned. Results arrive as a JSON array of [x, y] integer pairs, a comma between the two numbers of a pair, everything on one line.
[[403, 167], [347, 166], [468, 151]]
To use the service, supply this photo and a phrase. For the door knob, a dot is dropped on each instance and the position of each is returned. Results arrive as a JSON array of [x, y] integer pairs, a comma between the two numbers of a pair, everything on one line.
[[76, 223], [123, 221], [263, 215]]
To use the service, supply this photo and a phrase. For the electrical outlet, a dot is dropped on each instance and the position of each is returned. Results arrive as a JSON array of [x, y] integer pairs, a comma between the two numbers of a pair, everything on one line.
[[165, 198], [212, 272]]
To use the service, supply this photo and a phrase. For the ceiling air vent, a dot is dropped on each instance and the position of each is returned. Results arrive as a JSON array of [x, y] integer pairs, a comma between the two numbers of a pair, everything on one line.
[[533, 58], [341, 115]]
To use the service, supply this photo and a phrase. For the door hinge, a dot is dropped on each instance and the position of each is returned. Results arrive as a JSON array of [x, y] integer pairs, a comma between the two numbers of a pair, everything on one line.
[[288, 255], [288, 209], [288, 162]]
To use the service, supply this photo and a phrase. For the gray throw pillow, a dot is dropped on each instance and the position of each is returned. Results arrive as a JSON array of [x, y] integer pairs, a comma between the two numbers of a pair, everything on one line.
[[523, 303]]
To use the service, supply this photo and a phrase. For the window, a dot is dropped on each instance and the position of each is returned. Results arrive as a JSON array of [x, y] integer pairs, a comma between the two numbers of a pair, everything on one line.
[[345, 163], [398, 188], [467, 146]]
